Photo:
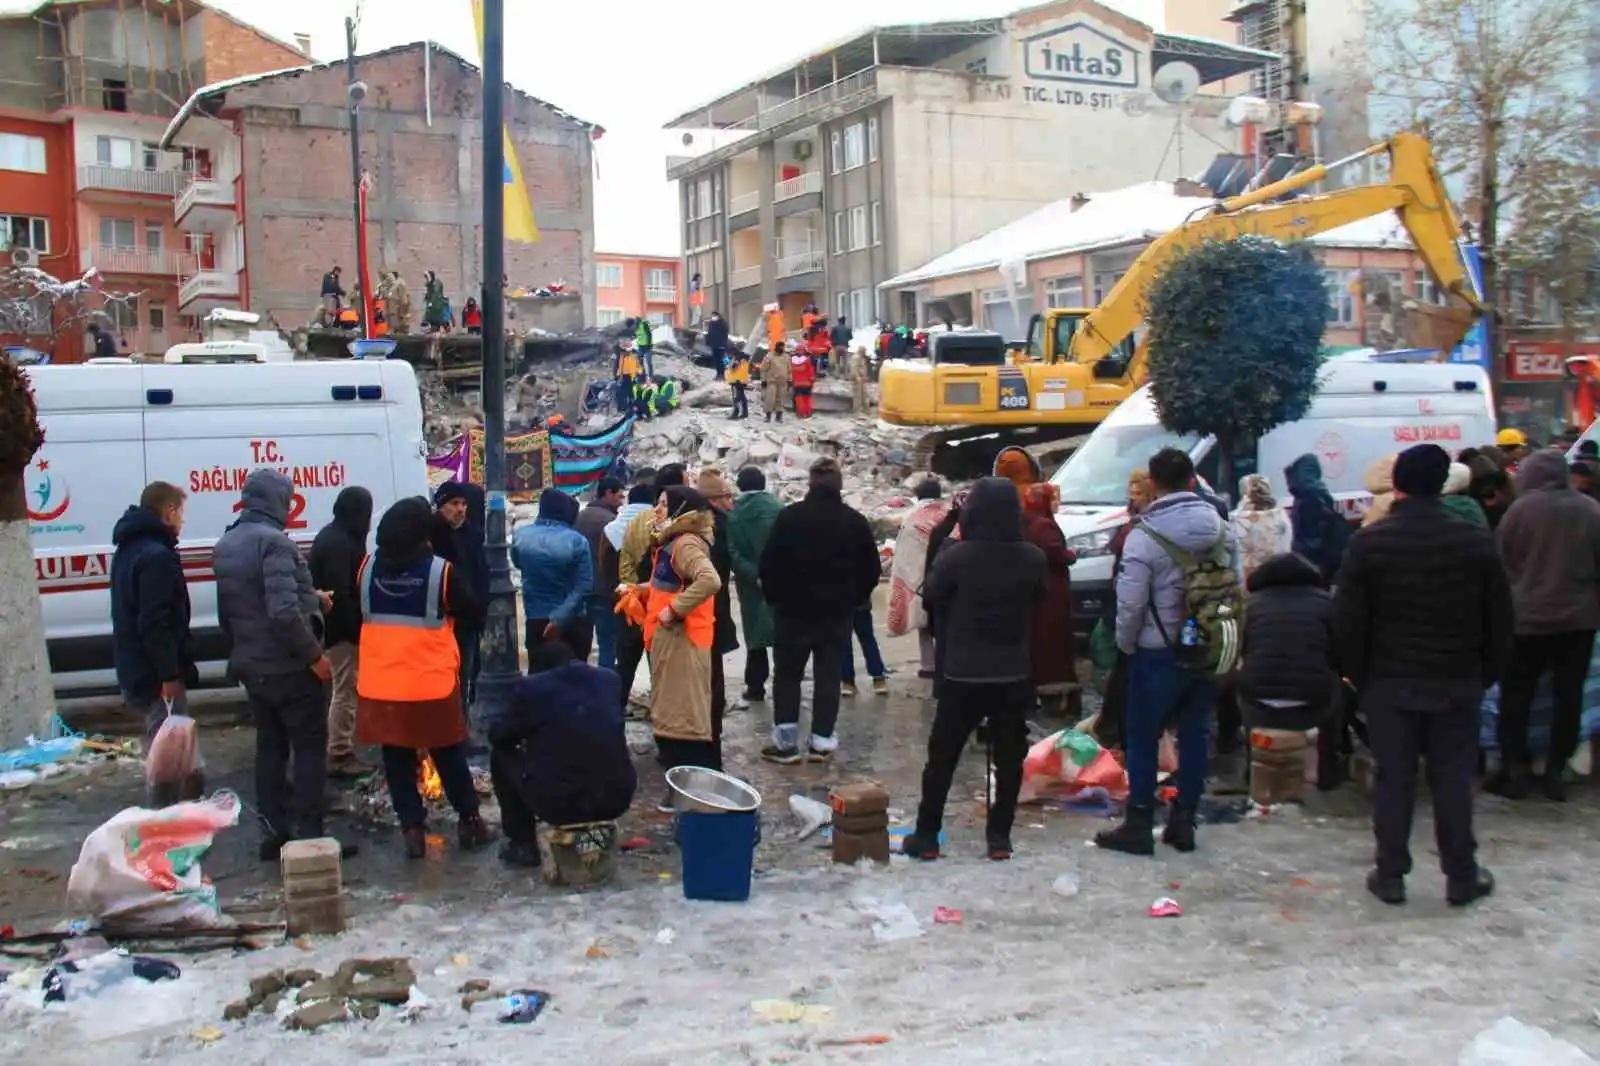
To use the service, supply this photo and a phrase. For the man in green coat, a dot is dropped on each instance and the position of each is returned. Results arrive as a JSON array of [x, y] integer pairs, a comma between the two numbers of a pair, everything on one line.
[[749, 525]]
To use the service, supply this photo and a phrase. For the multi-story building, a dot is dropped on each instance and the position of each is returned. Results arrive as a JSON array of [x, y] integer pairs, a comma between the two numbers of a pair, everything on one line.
[[635, 286], [88, 90], [872, 156], [278, 206]]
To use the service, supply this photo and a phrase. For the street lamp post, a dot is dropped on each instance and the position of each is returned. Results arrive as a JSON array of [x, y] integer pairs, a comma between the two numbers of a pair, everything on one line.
[[499, 645], [355, 92]]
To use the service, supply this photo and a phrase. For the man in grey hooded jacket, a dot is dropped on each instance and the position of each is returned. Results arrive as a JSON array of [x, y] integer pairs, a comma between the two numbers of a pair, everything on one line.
[[1150, 616], [272, 616]]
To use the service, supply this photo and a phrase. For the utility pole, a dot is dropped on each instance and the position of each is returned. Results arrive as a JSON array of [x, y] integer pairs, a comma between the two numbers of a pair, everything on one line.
[[353, 96], [499, 643]]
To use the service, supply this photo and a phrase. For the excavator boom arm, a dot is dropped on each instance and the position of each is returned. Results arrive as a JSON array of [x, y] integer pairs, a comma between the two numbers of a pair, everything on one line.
[[1414, 191]]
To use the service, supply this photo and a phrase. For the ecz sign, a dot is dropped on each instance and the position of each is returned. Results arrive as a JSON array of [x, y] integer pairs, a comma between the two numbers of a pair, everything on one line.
[[1081, 54]]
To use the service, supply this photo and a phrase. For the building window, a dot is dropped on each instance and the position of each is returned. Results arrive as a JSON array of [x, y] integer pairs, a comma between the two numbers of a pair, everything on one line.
[[152, 155], [1338, 284], [114, 152], [877, 223], [607, 316], [840, 236], [858, 228], [152, 237], [608, 275], [1104, 282], [661, 318], [116, 233], [659, 284], [978, 66], [688, 201], [1427, 291], [861, 306], [158, 318], [855, 146], [1005, 317], [21, 152], [25, 231], [841, 305], [113, 94], [835, 153], [704, 192], [716, 192], [1064, 291], [872, 140]]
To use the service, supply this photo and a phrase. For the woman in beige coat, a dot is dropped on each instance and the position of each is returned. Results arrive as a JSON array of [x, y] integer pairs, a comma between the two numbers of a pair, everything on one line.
[[680, 629]]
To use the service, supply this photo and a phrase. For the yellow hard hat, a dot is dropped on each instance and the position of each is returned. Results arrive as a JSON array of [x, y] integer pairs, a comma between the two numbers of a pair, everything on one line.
[[1511, 438]]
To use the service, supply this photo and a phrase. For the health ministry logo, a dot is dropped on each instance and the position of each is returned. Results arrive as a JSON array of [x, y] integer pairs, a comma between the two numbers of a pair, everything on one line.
[[48, 494]]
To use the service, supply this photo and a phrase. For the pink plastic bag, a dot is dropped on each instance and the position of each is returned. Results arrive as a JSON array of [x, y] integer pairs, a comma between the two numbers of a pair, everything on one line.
[[174, 751]]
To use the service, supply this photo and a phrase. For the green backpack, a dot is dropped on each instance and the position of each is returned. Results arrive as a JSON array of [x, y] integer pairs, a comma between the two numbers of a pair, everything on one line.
[[1212, 630]]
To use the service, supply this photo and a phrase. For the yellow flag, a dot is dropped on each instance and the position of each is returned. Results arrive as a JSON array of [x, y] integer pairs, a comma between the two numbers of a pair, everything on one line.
[[520, 225]]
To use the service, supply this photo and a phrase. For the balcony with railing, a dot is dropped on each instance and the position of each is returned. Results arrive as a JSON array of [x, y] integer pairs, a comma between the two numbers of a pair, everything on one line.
[[208, 289], [797, 186], [128, 180], [205, 204], [745, 201], [158, 262], [862, 81], [661, 294], [801, 262], [744, 277]]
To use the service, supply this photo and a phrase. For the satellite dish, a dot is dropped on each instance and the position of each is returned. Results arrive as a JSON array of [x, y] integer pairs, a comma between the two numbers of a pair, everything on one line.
[[1176, 83], [688, 139]]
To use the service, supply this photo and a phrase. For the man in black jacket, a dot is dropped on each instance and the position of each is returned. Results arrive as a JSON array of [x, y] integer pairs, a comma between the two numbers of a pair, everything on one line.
[[609, 494], [839, 338], [982, 592], [819, 565], [335, 560], [717, 341], [150, 610], [1423, 622], [459, 541]]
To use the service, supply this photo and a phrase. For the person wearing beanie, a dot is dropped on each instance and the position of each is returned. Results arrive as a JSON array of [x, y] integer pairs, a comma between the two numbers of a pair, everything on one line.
[[719, 494], [609, 493], [910, 568], [1422, 624], [629, 637], [458, 539], [557, 575], [1550, 541], [749, 525], [1455, 498]]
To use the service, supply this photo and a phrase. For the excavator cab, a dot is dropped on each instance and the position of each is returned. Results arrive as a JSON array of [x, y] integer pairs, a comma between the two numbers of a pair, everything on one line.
[[1050, 341]]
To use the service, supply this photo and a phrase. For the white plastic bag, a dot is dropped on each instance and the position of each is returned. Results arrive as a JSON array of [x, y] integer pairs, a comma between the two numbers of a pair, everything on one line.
[[141, 870], [174, 751], [1509, 1042]]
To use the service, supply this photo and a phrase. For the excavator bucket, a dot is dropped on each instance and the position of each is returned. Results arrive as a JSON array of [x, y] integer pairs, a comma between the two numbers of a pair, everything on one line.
[[1433, 326]]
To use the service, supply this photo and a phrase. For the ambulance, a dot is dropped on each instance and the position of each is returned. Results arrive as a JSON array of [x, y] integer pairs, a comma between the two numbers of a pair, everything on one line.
[[203, 426], [1366, 407]]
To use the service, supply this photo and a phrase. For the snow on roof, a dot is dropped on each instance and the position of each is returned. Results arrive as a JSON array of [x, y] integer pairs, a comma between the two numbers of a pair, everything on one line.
[[1133, 215]]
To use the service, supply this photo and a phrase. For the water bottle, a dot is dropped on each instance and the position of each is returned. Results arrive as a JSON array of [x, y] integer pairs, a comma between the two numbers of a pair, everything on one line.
[[1190, 637]]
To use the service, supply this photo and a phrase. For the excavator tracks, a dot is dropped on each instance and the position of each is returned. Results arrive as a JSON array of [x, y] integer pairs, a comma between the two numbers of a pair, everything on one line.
[[961, 453]]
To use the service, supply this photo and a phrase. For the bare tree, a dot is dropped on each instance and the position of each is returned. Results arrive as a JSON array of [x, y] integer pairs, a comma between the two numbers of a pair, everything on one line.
[[34, 304], [1553, 244], [1500, 87], [26, 701]]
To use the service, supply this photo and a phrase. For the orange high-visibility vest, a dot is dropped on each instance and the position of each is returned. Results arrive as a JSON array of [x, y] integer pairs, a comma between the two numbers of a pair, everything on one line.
[[700, 624], [408, 648]]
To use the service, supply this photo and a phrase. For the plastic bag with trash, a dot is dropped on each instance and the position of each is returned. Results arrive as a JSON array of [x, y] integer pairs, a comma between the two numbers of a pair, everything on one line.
[[141, 870], [1067, 762], [1509, 1042], [174, 754]]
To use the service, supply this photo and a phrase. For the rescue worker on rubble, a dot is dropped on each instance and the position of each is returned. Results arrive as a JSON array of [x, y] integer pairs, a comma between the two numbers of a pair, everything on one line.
[[667, 396], [860, 374], [644, 399], [775, 381], [644, 340], [739, 379], [803, 376], [626, 366], [332, 291]]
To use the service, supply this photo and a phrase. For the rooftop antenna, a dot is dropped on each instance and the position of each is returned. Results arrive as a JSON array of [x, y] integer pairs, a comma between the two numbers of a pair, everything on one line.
[[1176, 84]]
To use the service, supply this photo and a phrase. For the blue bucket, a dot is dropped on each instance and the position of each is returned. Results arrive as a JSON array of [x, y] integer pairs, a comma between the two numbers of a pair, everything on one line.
[[719, 853]]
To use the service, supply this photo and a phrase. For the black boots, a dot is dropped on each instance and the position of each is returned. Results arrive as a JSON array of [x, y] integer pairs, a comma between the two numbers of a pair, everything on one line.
[[1179, 833], [920, 847], [416, 841], [520, 853], [1481, 885], [1135, 836], [999, 847], [1390, 890]]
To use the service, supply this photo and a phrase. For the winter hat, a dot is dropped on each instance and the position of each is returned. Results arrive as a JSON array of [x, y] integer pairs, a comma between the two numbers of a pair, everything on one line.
[[450, 490], [1422, 470], [1589, 449], [557, 506], [929, 489], [712, 485], [1459, 480], [751, 479]]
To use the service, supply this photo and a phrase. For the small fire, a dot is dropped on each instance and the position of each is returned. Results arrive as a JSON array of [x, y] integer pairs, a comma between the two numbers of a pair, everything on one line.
[[428, 782]]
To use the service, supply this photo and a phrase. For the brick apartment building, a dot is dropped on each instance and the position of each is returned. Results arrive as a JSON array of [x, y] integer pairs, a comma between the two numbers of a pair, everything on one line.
[[278, 202], [628, 286], [88, 90]]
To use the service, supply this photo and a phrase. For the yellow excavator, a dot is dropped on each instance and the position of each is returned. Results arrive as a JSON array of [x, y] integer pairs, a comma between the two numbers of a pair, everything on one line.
[[1080, 363]]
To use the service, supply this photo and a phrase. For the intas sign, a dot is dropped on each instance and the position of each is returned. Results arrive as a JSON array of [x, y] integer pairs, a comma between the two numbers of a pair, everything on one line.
[[1082, 54]]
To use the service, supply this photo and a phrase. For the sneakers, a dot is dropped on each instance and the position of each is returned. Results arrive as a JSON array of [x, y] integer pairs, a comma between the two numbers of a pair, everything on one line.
[[1390, 890], [1179, 833], [348, 767], [1134, 836], [919, 847], [783, 756], [1481, 886], [1509, 784], [416, 842], [880, 686], [520, 853], [848, 688], [474, 832], [815, 754]]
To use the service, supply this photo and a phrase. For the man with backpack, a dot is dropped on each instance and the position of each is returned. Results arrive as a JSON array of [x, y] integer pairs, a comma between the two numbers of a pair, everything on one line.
[[1179, 617]]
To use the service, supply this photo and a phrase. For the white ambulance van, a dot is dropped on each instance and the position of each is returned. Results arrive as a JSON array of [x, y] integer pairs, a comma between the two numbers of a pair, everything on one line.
[[1365, 409], [112, 429]]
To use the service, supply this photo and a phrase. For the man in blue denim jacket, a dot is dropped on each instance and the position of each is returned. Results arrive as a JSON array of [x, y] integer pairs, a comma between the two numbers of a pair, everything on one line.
[[557, 575]]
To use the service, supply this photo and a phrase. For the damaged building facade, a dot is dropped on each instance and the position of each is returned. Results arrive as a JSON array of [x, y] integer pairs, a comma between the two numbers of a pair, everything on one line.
[[87, 90], [871, 157], [280, 206]]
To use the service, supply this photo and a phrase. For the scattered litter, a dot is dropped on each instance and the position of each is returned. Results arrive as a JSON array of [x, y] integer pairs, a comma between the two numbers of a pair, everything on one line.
[[813, 815], [663, 876], [1092, 800], [667, 935], [855, 1041], [1067, 762], [783, 1010], [1066, 886], [946, 916], [460, 960], [635, 844], [416, 1002], [1509, 1042], [1166, 907], [895, 922], [523, 1006], [207, 1034], [597, 951], [1174, 885]]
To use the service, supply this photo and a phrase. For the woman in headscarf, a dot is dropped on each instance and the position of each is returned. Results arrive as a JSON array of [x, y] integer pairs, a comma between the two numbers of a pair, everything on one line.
[[1051, 643], [1320, 531], [1260, 525], [1379, 481], [910, 568], [408, 683], [1456, 499], [679, 630], [1108, 727]]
